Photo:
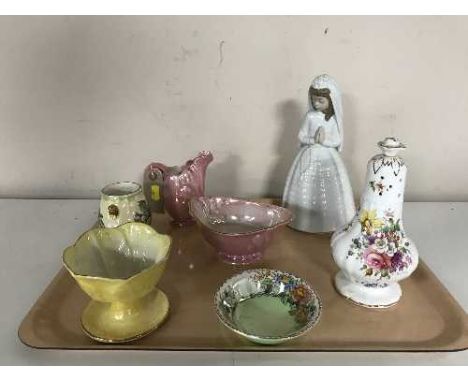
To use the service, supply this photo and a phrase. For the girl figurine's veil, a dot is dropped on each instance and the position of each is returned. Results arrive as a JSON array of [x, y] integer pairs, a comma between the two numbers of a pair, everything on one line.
[[325, 81]]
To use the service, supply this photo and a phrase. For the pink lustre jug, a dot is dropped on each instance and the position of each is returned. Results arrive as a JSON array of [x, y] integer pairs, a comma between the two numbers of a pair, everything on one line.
[[181, 183]]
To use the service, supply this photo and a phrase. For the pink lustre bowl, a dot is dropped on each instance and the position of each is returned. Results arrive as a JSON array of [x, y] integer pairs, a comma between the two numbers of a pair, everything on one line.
[[239, 230]]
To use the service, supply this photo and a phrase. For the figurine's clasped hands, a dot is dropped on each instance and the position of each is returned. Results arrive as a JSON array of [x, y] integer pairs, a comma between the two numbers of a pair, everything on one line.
[[319, 135]]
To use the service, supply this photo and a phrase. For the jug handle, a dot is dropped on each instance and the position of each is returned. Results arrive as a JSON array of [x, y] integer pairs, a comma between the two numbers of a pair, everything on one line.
[[159, 167]]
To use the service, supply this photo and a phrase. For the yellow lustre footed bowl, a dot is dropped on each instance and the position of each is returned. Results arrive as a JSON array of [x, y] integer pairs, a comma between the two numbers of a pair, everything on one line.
[[119, 269]]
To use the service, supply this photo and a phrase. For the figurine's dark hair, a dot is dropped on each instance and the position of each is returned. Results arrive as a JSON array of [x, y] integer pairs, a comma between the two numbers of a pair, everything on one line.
[[330, 112]]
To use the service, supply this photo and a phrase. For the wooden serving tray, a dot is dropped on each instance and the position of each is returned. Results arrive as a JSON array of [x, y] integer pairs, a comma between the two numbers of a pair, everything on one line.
[[427, 318]]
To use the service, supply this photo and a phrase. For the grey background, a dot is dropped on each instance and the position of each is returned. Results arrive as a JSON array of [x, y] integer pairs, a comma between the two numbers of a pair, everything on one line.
[[85, 101]]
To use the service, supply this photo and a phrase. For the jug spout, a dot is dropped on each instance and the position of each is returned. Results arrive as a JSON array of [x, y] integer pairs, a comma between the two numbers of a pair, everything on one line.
[[201, 161]]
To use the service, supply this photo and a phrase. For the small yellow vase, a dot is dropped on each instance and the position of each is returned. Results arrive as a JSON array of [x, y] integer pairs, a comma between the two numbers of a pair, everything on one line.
[[119, 269]]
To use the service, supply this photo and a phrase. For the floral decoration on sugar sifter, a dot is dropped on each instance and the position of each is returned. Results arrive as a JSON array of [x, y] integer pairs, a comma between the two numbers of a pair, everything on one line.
[[382, 246]]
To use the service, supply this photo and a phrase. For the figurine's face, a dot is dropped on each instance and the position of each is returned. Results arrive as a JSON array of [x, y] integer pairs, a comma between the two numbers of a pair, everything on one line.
[[320, 103]]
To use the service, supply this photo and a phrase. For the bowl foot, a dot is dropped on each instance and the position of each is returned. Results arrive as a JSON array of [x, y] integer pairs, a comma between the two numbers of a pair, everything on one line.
[[124, 322], [369, 297], [244, 259]]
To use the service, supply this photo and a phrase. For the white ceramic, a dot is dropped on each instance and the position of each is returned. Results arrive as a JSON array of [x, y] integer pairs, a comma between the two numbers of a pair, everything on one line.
[[317, 190], [123, 202], [373, 252]]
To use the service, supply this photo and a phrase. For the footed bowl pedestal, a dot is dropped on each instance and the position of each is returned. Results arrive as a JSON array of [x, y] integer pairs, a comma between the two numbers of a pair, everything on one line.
[[125, 321]]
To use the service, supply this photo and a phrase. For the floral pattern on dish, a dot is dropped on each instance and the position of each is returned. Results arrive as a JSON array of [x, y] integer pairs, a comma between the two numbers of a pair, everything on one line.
[[291, 290]]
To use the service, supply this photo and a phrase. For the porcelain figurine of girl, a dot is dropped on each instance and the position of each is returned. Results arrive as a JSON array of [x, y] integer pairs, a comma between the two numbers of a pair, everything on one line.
[[317, 190]]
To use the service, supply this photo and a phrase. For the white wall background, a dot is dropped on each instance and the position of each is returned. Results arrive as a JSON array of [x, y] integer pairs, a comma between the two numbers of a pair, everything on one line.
[[85, 101]]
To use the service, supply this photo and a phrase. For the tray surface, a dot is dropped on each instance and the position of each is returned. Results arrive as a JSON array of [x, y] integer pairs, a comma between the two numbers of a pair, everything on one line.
[[427, 318]]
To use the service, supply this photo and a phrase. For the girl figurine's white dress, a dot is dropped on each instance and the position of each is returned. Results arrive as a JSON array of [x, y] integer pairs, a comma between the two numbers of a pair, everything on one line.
[[317, 190]]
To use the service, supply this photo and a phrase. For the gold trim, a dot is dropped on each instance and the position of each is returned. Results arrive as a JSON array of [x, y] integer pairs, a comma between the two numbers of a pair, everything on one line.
[[135, 337]]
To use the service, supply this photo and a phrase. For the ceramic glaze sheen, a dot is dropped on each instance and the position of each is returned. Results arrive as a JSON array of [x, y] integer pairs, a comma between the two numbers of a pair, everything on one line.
[[119, 269], [267, 306], [373, 252], [181, 183], [123, 202], [239, 230], [317, 189]]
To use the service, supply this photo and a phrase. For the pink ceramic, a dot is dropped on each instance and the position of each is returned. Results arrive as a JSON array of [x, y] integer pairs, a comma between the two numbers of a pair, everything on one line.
[[180, 184], [239, 230]]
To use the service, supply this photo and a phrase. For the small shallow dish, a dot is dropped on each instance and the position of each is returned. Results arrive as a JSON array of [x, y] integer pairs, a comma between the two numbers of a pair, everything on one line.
[[239, 230], [119, 269], [267, 306]]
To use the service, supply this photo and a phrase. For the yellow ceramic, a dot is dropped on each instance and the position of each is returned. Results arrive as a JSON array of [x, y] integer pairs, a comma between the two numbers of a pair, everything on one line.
[[119, 269]]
